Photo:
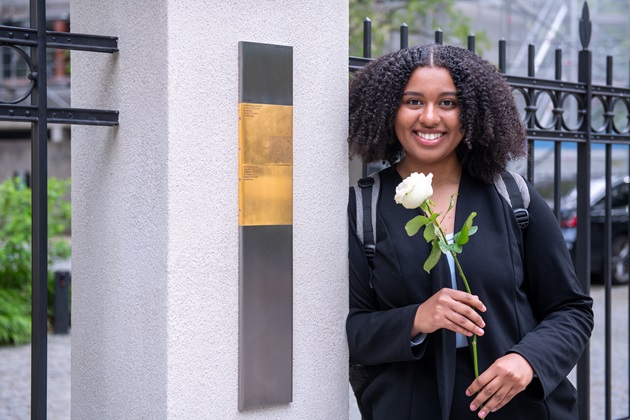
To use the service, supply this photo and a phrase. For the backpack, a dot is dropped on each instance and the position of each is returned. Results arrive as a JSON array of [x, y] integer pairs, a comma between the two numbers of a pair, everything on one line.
[[510, 185]]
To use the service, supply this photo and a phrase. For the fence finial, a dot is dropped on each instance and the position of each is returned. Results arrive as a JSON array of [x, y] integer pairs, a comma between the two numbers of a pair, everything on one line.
[[585, 27]]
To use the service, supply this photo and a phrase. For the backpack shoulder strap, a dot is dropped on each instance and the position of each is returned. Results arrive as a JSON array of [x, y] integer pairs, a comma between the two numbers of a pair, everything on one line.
[[366, 193], [513, 188]]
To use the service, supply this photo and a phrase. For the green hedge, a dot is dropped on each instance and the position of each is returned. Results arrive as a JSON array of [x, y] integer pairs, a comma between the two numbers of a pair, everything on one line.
[[15, 252]]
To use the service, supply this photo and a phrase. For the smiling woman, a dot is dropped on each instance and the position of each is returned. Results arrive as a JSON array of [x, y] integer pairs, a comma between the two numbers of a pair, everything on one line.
[[444, 112]]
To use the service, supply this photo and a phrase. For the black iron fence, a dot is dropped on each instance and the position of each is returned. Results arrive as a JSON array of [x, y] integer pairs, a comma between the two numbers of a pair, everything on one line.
[[38, 39], [585, 115]]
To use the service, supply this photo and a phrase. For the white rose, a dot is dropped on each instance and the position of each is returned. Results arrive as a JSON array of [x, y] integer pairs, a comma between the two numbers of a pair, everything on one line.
[[414, 190]]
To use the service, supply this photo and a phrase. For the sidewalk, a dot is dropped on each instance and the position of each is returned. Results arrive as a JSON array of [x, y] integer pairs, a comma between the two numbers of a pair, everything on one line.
[[15, 380], [15, 368]]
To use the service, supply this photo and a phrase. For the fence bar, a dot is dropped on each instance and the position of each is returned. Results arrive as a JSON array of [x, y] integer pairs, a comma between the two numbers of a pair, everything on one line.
[[28, 37], [39, 350], [557, 152], [583, 243], [502, 55], [355, 63], [471, 42], [439, 36], [607, 261], [607, 285], [30, 113], [404, 36], [531, 72], [367, 38]]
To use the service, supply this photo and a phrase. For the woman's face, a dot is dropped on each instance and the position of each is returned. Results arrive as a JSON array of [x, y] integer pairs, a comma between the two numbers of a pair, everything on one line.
[[427, 122]]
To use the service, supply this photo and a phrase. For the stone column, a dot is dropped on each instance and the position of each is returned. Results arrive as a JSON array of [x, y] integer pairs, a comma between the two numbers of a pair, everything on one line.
[[155, 301]]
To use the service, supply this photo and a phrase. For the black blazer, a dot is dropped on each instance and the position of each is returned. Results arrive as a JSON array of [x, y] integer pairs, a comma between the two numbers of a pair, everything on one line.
[[535, 306]]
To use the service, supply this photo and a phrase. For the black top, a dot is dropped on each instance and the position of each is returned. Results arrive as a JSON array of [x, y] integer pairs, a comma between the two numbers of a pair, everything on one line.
[[535, 306]]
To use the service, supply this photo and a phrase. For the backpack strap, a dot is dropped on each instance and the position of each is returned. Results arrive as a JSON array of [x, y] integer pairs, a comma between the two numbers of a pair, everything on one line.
[[513, 188], [366, 193]]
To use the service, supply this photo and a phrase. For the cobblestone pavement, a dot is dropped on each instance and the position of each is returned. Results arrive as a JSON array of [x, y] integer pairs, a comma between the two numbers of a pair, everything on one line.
[[15, 380], [15, 368]]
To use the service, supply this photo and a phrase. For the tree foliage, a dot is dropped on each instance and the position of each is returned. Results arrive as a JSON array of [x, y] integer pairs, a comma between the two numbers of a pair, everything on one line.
[[423, 17]]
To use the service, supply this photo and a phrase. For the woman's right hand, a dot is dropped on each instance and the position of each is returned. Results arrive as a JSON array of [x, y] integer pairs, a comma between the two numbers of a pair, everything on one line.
[[450, 309]]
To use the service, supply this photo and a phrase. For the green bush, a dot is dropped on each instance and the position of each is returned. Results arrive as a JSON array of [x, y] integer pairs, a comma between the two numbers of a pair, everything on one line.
[[15, 251], [15, 317]]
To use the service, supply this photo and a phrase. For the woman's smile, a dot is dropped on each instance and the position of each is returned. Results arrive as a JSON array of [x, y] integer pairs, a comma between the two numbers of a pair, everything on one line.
[[430, 137]]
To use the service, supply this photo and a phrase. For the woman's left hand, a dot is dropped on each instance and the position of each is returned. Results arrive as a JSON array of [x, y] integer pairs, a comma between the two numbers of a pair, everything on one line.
[[495, 387]]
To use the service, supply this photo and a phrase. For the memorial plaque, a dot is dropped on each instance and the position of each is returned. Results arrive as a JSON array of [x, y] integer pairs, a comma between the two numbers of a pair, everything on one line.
[[265, 225], [265, 164]]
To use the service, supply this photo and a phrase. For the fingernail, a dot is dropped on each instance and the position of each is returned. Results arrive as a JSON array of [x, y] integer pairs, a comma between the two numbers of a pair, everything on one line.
[[468, 394], [482, 414], [473, 407], [480, 332]]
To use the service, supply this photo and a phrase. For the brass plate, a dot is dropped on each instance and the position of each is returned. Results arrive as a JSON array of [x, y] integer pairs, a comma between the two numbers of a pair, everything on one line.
[[265, 164]]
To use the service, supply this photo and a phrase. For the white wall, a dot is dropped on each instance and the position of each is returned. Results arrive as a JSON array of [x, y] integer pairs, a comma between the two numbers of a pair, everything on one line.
[[155, 206]]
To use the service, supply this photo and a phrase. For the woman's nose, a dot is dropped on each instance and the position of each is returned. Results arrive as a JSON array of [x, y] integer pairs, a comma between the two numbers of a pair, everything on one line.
[[429, 115]]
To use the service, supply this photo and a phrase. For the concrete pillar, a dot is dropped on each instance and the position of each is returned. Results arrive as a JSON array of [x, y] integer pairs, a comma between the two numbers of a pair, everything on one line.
[[155, 208]]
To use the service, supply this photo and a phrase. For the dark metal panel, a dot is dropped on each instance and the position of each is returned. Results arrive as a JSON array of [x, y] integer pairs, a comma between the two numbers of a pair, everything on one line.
[[265, 245], [266, 315], [266, 73]]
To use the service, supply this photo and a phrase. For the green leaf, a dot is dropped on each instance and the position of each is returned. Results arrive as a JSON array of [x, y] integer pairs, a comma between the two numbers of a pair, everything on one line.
[[447, 248], [433, 258], [461, 237], [429, 232], [469, 221], [413, 226]]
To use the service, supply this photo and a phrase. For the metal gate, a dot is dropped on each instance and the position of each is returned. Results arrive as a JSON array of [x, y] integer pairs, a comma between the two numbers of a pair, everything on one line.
[[577, 98], [37, 38]]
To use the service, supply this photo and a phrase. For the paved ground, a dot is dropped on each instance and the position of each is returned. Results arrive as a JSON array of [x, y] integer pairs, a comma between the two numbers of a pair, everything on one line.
[[15, 369], [15, 380]]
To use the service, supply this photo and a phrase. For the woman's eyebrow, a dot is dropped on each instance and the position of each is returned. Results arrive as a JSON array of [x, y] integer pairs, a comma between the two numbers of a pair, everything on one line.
[[414, 93]]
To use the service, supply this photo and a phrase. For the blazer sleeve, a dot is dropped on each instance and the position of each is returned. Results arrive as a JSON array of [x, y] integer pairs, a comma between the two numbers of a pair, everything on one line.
[[562, 309], [375, 335]]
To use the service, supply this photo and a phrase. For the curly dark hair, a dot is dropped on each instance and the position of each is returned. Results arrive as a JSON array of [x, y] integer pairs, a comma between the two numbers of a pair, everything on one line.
[[493, 130]]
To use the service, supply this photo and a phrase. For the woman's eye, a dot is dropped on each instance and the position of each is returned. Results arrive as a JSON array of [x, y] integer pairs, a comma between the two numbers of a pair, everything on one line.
[[414, 102], [449, 103]]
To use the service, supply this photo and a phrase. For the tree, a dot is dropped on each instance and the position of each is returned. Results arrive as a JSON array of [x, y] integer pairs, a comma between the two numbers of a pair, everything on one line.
[[423, 17]]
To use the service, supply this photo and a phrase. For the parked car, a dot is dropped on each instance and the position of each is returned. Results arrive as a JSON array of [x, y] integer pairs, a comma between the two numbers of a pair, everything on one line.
[[619, 222]]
